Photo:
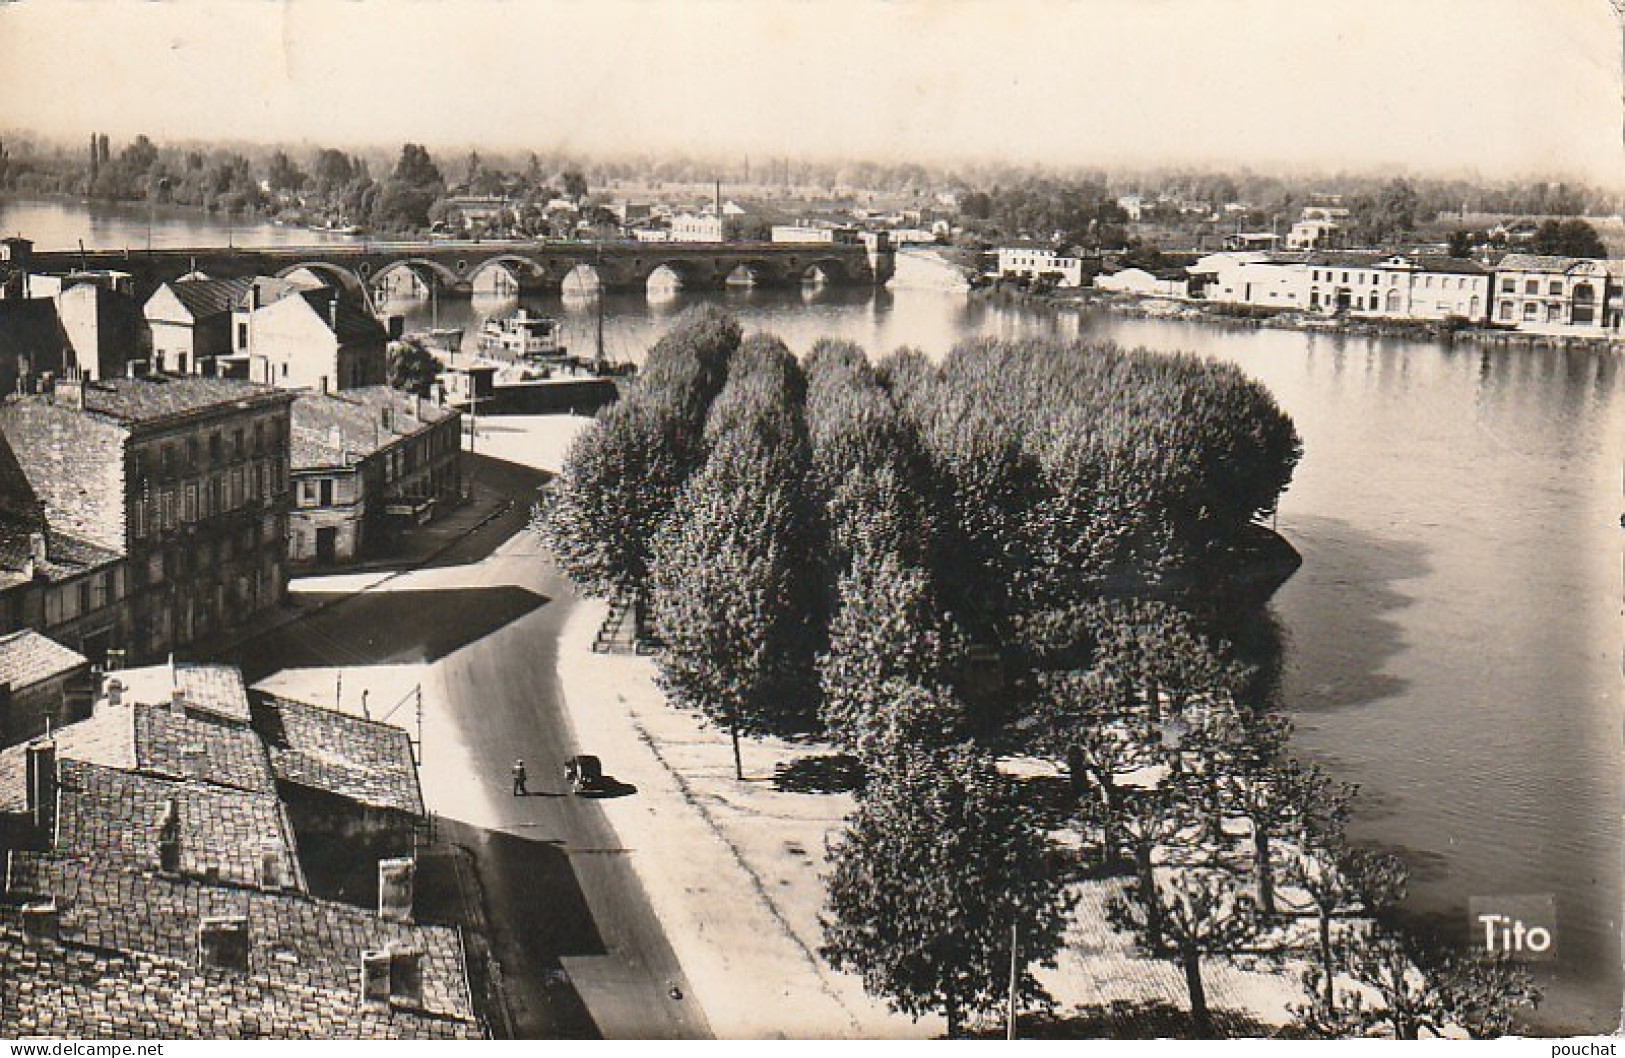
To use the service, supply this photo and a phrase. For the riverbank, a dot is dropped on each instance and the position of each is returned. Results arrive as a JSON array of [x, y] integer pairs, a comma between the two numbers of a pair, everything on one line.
[[1150, 307]]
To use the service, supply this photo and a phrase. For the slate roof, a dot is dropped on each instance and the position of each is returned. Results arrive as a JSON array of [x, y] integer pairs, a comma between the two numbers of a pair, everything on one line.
[[213, 689], [210, 297], [221, 753], [27, 658], [66, 556], [320, 749]]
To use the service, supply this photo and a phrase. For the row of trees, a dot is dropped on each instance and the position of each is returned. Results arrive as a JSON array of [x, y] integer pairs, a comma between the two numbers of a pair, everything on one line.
[[934, 565]]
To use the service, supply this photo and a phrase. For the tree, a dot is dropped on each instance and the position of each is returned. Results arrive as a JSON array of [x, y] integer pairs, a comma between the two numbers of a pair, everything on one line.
[[1202, 912], [1568, 238], [937, 866], [723, 581], [575, 185], [412, 367], [1461, 243], [281, 174], [887, 645], [1485, 994]]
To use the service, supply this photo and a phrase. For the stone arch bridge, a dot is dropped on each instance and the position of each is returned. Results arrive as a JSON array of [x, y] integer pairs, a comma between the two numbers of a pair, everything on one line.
[[457, 268]]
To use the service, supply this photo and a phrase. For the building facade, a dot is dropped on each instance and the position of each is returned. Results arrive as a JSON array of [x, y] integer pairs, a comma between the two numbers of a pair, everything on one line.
[[1024, 261], [366, 463], [308, 339], [1574, 296], [185, 479]]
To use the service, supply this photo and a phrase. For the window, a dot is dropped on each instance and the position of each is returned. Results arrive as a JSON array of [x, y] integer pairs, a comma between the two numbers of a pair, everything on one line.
[[216, 447], [242, 335], [1509, 285], [155, 568], [1555, 288], [189, 511], [1554, 314], [84, 596], [191, 453], [1531, 286], [1529, 310], [1506, 310], [237, 443]]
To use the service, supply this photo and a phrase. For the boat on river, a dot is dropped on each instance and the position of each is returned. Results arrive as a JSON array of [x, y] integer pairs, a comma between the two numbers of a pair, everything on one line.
[[523, 337]]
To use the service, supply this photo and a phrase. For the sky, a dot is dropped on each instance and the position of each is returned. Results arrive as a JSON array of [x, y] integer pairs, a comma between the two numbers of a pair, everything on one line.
[[1494, 87]]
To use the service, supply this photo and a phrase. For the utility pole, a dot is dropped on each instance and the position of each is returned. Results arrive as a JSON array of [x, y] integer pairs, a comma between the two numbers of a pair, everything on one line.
[[1015, 939]]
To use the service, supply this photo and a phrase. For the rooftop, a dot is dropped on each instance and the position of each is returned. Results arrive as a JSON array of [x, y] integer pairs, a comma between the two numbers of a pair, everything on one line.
[[27, 658], [214, 689], [31, 329], [1533, 262], [347, 322], [203, 298], [152, 397], [360, 760], [341, 429]]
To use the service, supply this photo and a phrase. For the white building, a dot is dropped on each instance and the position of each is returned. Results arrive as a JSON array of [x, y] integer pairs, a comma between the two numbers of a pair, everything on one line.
[[1577, 296], [1392, 286], [1139, 281], [1035, 261]]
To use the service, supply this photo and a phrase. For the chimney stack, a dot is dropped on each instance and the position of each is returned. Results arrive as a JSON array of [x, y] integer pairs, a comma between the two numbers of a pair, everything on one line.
[[272, 875], [42, 919], [36, 548], [396, 879], [177, 702], [41, 779], [222, 942], [333, 313], [375, 976], [194, 761], [114, 689], [169, 838]]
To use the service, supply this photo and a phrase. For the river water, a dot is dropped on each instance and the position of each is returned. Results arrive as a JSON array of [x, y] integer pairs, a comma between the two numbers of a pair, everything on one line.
[[1452, 642]]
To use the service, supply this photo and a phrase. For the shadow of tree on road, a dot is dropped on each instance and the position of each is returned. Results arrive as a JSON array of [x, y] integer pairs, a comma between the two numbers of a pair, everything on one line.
[[386, 627]]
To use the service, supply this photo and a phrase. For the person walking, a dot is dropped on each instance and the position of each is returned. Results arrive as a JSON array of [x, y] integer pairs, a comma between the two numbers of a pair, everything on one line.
[[519, 779]]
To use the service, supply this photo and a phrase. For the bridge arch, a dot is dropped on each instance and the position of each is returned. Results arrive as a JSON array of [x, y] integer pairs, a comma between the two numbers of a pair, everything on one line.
[[673, 275], [824, 270], [336, 276], [506, 274], [584, 278], [430, 274]]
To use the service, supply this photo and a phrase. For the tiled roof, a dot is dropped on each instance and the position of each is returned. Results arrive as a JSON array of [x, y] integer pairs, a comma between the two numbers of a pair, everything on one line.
[[183, 746], [105, 738], [216, 689], [74, 463], [117, 817], [66, 556], [65, 990], [341, 429], [311, 945], [210, 297], [1532, 262], [136, 400], [357, 759], [27, 658], [347, 322]]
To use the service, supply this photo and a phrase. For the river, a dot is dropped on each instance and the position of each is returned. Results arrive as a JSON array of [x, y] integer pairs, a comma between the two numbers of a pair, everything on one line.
[[1452, 642]]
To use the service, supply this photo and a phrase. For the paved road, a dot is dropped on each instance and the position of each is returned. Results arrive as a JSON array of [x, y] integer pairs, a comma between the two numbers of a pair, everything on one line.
[[560, 893]]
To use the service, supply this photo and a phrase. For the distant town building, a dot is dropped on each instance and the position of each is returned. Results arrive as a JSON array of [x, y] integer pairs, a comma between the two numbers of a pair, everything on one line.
[[1318, 228], [364, 462], [703, 227], [1393, 286], [1557, 295], [1252, 240], [185, 479], [1038, 261]]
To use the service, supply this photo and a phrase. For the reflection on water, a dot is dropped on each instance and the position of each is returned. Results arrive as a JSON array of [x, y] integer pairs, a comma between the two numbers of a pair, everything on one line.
[[1452, 641]]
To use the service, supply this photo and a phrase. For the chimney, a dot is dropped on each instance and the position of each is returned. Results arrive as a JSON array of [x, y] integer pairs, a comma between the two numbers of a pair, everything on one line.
[[254, 295], [41, 779], [177, 701], [406, 977], [114, 689], [36, 548], [42, 919], [395, 889], [272, 873], [194, 761], [222, 942], [169, 838], [375, 976]]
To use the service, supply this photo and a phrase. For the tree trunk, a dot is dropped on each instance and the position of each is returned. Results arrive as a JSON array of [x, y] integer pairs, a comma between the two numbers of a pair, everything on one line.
[[1330, 997], [1261, 864], [1201, 1020], [951, 1010], [1148, 895], [733, 733]]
